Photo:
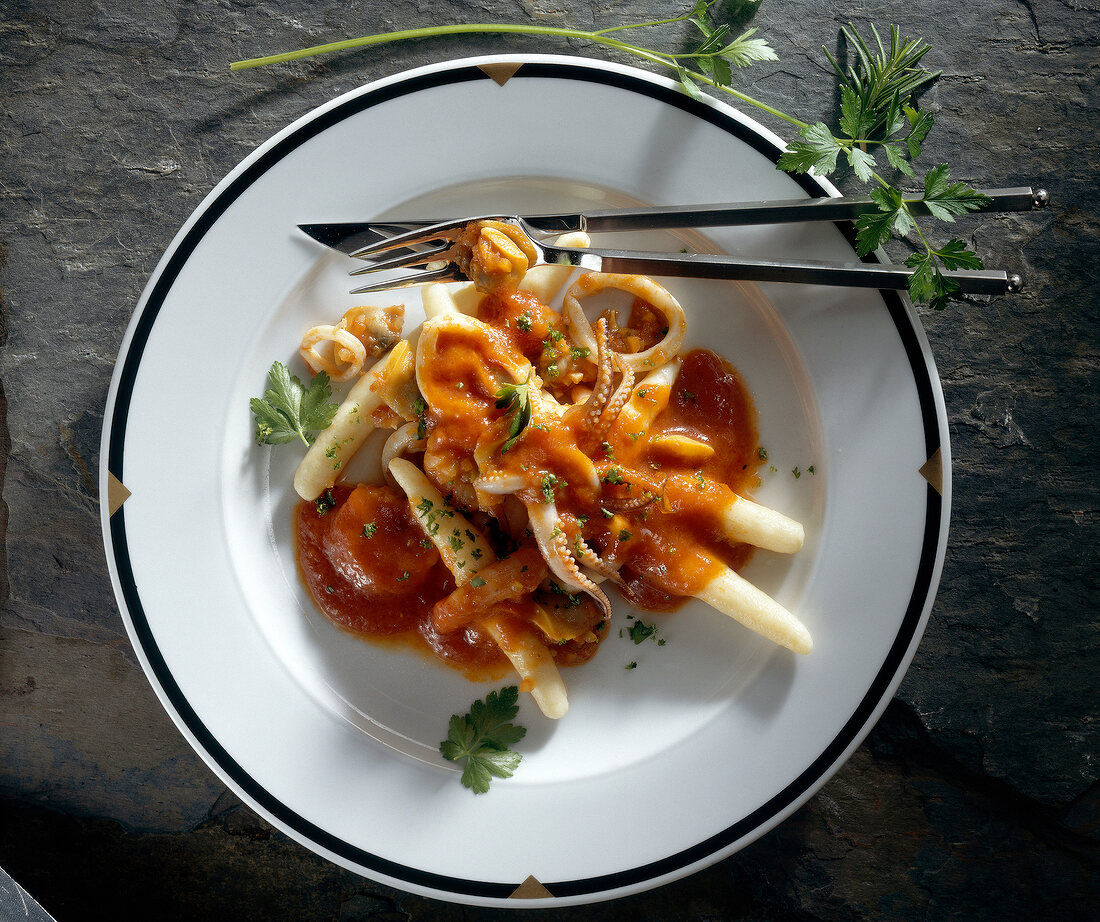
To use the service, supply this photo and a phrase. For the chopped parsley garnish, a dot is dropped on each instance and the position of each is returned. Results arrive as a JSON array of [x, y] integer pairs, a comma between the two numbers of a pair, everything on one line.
[[552, 340], [369, 529], [574, 598], [404, 577], [325, 503], [290, 411], [456, 542], [549, 484], [640, 631], [424, 508], [420, 408], [477, 582], [482, 738], [516, 400], [613, 475], [523, 322], [580, 352], [633, 664], [797, 473], [625, 535], [762, 453]]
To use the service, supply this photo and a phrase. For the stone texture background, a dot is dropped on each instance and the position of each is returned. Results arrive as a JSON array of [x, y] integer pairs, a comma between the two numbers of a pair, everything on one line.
[[976, 795]]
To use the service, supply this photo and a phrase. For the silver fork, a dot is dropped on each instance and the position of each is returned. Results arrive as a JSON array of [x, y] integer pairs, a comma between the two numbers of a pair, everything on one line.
[[434, 261]]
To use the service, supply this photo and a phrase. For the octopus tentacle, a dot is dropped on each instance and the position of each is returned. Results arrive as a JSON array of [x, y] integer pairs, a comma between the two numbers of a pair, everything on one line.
[[597, 401], [554, 545], [561, 547], [628, 504], [618, 400], [594, 562], [602, 407]]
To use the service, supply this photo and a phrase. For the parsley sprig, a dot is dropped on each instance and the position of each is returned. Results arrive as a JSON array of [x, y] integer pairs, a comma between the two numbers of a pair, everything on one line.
[[879, 114], [290, 411], [516, 400], [483, 737]]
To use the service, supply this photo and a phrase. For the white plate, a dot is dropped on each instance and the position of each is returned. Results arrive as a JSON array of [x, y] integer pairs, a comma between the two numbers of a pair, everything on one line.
[[655, 772]]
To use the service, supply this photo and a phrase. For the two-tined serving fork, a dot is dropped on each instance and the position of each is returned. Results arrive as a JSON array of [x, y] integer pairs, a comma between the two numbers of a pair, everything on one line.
[[430, 249]]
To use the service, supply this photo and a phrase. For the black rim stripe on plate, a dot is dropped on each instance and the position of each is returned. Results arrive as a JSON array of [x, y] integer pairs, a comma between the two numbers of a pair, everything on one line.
[[275, 807]]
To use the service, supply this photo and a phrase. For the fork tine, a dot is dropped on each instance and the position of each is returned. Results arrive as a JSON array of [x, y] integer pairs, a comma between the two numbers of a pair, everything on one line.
[[405, 260], [446, 230], [448, 273]]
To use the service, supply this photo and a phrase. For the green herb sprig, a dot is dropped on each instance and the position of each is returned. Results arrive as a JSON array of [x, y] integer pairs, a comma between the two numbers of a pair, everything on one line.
[[879, 115], [516, 400], [483, 738], [290, 411]]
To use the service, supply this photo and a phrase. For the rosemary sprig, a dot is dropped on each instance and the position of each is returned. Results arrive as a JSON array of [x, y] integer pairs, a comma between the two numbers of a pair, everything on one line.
[[879, 114]]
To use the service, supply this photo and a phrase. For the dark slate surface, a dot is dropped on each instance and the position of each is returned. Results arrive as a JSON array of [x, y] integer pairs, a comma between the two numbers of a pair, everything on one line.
[[974, 798]]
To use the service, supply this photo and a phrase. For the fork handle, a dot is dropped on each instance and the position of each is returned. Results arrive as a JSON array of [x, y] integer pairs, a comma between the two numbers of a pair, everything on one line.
[[732, 214], [805, 271]]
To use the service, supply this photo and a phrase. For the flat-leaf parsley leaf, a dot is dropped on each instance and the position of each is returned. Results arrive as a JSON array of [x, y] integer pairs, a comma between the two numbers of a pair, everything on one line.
[[483, 737], [290, 411]]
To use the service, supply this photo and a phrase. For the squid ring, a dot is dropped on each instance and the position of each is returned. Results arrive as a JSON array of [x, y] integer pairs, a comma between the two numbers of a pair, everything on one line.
[[343, 344], [641, 287]]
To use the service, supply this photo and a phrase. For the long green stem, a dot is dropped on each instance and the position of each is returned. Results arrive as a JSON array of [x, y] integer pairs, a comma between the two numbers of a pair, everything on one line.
[[642, 25], [400, 36], [497, 28], [748, 100]]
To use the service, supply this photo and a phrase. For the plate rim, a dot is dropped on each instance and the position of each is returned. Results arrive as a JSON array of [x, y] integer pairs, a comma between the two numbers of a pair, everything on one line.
[[484, 892]]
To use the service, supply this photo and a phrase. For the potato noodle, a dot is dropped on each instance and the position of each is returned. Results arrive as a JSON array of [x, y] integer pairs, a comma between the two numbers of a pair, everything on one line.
[[532, 463]]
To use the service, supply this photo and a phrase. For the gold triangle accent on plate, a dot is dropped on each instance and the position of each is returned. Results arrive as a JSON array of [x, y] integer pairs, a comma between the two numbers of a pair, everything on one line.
[[117, 493], [500, 73], [531, 889], [932, 471]]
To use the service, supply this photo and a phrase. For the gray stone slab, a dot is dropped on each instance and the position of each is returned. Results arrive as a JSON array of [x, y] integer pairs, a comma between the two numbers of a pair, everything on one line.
[[976, 796]]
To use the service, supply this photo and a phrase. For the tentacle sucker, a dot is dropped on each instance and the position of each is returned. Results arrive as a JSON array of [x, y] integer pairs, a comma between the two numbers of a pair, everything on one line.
[[590, 559], [618, 400], [554, 545]]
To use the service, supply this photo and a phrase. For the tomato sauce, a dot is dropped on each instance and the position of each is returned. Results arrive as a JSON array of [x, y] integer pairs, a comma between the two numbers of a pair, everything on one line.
[[381, 582], [669, 558], [656, 512]]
